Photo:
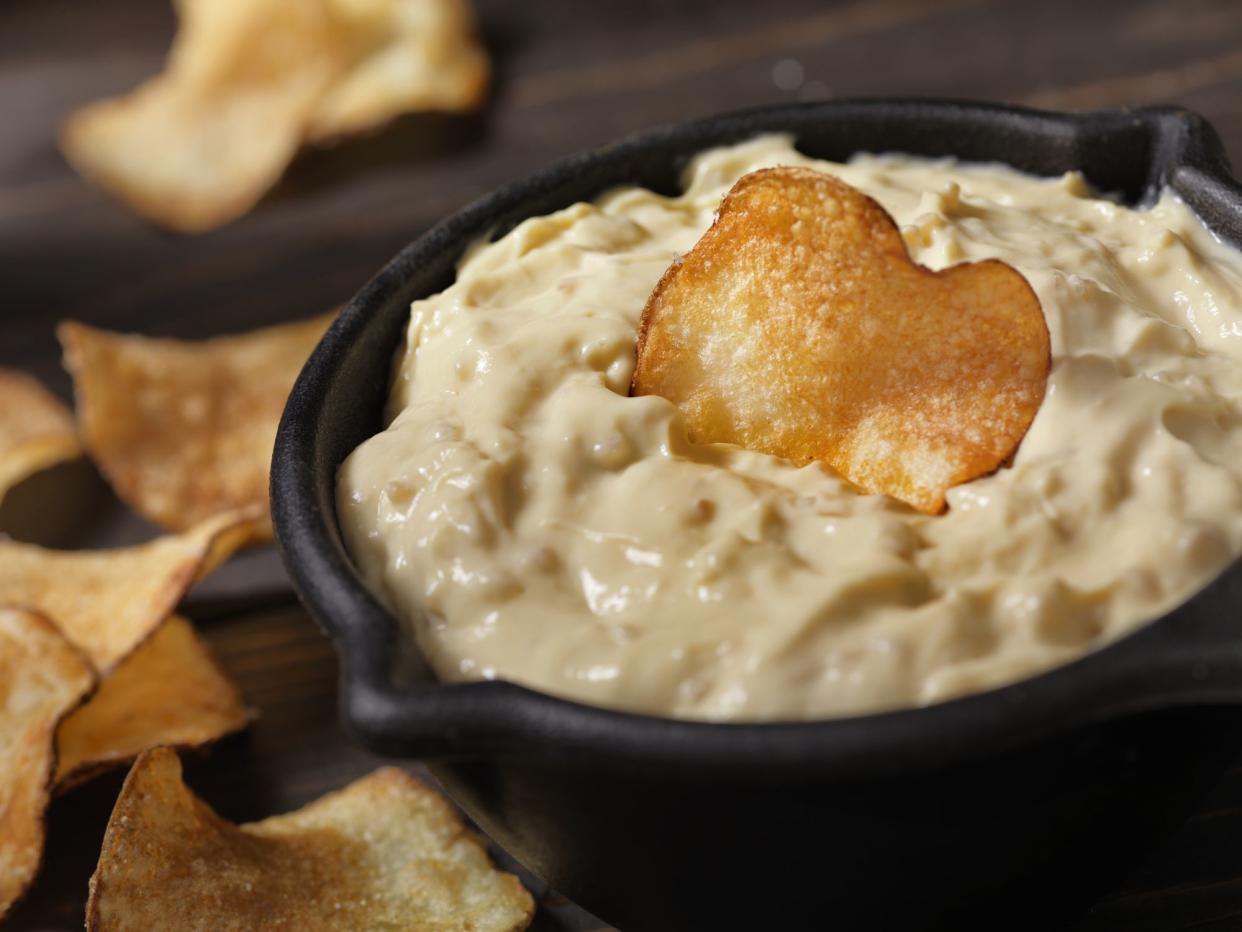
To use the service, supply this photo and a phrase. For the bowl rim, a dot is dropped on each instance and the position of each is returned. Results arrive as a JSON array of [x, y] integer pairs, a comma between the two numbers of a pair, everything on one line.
[[1184, 657]]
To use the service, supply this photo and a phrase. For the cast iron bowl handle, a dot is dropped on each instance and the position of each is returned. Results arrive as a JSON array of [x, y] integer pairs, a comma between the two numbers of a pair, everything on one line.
[[391, 701]]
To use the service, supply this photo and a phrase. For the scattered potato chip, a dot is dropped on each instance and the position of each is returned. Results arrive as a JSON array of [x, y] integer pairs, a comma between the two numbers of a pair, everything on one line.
[[168, 692], [42, 678], [383, 853], [107, 602], [799, 326], [184, 430], [36, 430], [198, 145], [407, 55], [248, 80]]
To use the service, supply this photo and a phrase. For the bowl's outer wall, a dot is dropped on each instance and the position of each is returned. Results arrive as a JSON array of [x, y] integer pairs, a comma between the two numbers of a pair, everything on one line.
[[1017, 841], [390, 698]]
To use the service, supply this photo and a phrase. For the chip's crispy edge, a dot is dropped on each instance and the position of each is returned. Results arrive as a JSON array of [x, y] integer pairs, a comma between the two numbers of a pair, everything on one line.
[[375, 824], [104, 364], [182, 560], [25, 791], [392, 789], [169, 692], [36, 429]]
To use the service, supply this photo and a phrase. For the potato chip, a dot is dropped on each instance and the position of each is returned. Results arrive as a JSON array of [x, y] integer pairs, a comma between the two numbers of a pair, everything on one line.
[[167, 692], [407, 55], [198, 145], [184, 430], [107, 602], [36, 430], [42, 678], [248, 80], [798, 326], [383, 853]]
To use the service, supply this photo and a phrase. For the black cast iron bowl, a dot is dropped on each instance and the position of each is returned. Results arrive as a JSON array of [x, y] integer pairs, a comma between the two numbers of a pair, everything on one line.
[[1030, 796]]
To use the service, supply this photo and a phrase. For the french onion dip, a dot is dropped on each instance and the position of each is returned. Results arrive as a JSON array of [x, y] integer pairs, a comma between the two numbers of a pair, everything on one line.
[[534, 523]]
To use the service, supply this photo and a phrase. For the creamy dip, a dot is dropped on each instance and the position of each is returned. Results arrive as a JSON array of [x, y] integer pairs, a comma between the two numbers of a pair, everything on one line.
[[535, 524]]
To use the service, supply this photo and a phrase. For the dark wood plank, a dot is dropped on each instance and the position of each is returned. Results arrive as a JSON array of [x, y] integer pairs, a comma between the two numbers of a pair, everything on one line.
[[569, 75]]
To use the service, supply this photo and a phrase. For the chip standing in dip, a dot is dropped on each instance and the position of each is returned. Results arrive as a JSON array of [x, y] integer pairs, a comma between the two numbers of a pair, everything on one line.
[[534, 522]]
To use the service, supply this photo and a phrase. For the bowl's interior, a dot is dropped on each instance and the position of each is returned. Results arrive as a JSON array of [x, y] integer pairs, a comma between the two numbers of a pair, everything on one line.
[[339, 399], [1131, 154]]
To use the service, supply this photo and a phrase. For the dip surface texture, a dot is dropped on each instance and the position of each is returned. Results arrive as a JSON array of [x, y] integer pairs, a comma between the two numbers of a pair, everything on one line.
[[533, 523]]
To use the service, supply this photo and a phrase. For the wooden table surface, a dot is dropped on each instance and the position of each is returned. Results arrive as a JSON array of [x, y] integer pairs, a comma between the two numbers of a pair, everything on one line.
[[569, 75]]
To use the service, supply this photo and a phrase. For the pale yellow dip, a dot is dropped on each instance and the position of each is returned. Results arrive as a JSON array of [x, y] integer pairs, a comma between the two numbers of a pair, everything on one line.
[[535, 524]]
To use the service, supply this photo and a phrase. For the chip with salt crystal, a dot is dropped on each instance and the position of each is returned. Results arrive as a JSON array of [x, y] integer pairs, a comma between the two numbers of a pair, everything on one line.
[[184, 429], [799, 326], [385, 852]]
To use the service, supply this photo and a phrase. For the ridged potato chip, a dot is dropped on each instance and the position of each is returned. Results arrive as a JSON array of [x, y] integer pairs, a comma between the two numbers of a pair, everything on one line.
[[198, 145], [406, 56], [383, 853], [36, 430], [799, 326], [182, 429], [168, 692], [107, 602], [42, 678]]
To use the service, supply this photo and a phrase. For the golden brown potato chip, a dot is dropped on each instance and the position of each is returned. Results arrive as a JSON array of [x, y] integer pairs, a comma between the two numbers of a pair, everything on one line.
[[42, 678], [184, 430], [198, 145], [107, 602], [383, 853], [168, 692], [406, 56], [799, 326], [36, 430]]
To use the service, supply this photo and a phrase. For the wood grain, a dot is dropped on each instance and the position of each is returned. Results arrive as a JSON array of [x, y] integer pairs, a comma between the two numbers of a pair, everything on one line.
[[569, 75]]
